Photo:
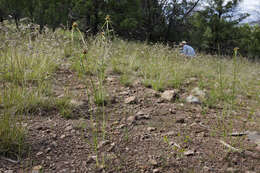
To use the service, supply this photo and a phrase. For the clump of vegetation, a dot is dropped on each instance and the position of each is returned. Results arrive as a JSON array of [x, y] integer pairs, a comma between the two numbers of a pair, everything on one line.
[[12, 136], [28, 62]]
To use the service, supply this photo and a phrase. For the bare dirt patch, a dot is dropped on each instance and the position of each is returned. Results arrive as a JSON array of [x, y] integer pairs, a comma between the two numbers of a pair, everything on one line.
[[146, 134]]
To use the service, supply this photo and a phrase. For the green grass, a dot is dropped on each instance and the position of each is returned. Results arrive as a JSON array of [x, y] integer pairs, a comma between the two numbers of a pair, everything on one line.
[[28, 61]]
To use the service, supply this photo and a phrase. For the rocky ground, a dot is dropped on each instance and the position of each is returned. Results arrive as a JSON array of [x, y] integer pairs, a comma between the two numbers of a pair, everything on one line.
[[143, 131]]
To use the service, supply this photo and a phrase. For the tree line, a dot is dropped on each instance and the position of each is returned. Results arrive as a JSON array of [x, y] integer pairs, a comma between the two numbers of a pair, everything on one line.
[[212, 26]]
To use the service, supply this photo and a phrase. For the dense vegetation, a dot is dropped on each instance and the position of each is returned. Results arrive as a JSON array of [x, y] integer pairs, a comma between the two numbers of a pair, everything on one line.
[[209, 25]]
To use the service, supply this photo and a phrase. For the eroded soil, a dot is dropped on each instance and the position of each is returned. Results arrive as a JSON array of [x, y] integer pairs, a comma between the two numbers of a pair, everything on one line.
[[148, 134]]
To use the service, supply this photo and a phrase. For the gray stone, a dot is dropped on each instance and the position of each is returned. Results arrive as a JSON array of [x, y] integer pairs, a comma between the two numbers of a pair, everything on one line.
[[68, 128], [254, 137], [150, 129], [54, 144], [189, 153], [91, 159], [171, 133], [153, 162], [37, 169], [131, 119], [180, 120], [76, 102], [103, 143], [232, 170], [157, 170], [198, 92], [62, 136], [9, 171], [192, 99], [48, 150], [130, 100], [169, 95], [39, 153]]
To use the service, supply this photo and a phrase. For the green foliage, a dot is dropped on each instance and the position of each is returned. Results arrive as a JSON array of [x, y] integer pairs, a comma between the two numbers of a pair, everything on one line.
[[12, 136]]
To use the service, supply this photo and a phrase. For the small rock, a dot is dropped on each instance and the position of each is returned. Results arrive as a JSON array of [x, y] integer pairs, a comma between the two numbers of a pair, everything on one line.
[[48, 150], [130, 100], [206, 169], [140, 117], [156, 170], [54, 144], [153, 162], [189, 153], [9, 171], [192, 99], [91, 159], [110, 79], [39, 153], [170, 95], [68, 128], [171, 133], [131, 119], [254, 137], [76, 103], [150, 129], [39, 127], [257, 148], [121, 126], [112, 146], [197, 92], [180, 120], [62, 136], [37, 169], [53, 135], [124, 93], [232, 170], [103, 143], [141, 112]]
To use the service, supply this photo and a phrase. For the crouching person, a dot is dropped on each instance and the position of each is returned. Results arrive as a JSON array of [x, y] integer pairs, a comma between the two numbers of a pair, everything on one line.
[[187, 50]]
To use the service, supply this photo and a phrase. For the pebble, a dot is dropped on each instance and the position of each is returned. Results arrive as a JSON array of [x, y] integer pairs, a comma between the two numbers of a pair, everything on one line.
[[153, 162], [91, 159], [231, 170], [189, 153], [171, 133], [48, 150], [103, 143], [156, 170], [150, 129], [192, 99], [130, 100], [54, 144], [169, 95], [37, 169], [180, 120], [39, 153], [63, 136], [131, 119], [9, 171], [68, 128]]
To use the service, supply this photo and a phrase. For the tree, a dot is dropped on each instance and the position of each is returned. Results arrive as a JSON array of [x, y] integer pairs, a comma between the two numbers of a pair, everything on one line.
[[214, 26], [15, 8]]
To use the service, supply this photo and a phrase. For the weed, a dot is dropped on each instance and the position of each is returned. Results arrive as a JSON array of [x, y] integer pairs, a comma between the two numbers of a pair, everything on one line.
[[12, 136]]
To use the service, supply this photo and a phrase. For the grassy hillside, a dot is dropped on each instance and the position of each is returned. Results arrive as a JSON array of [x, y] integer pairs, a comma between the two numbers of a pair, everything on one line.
[[113, 91]]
